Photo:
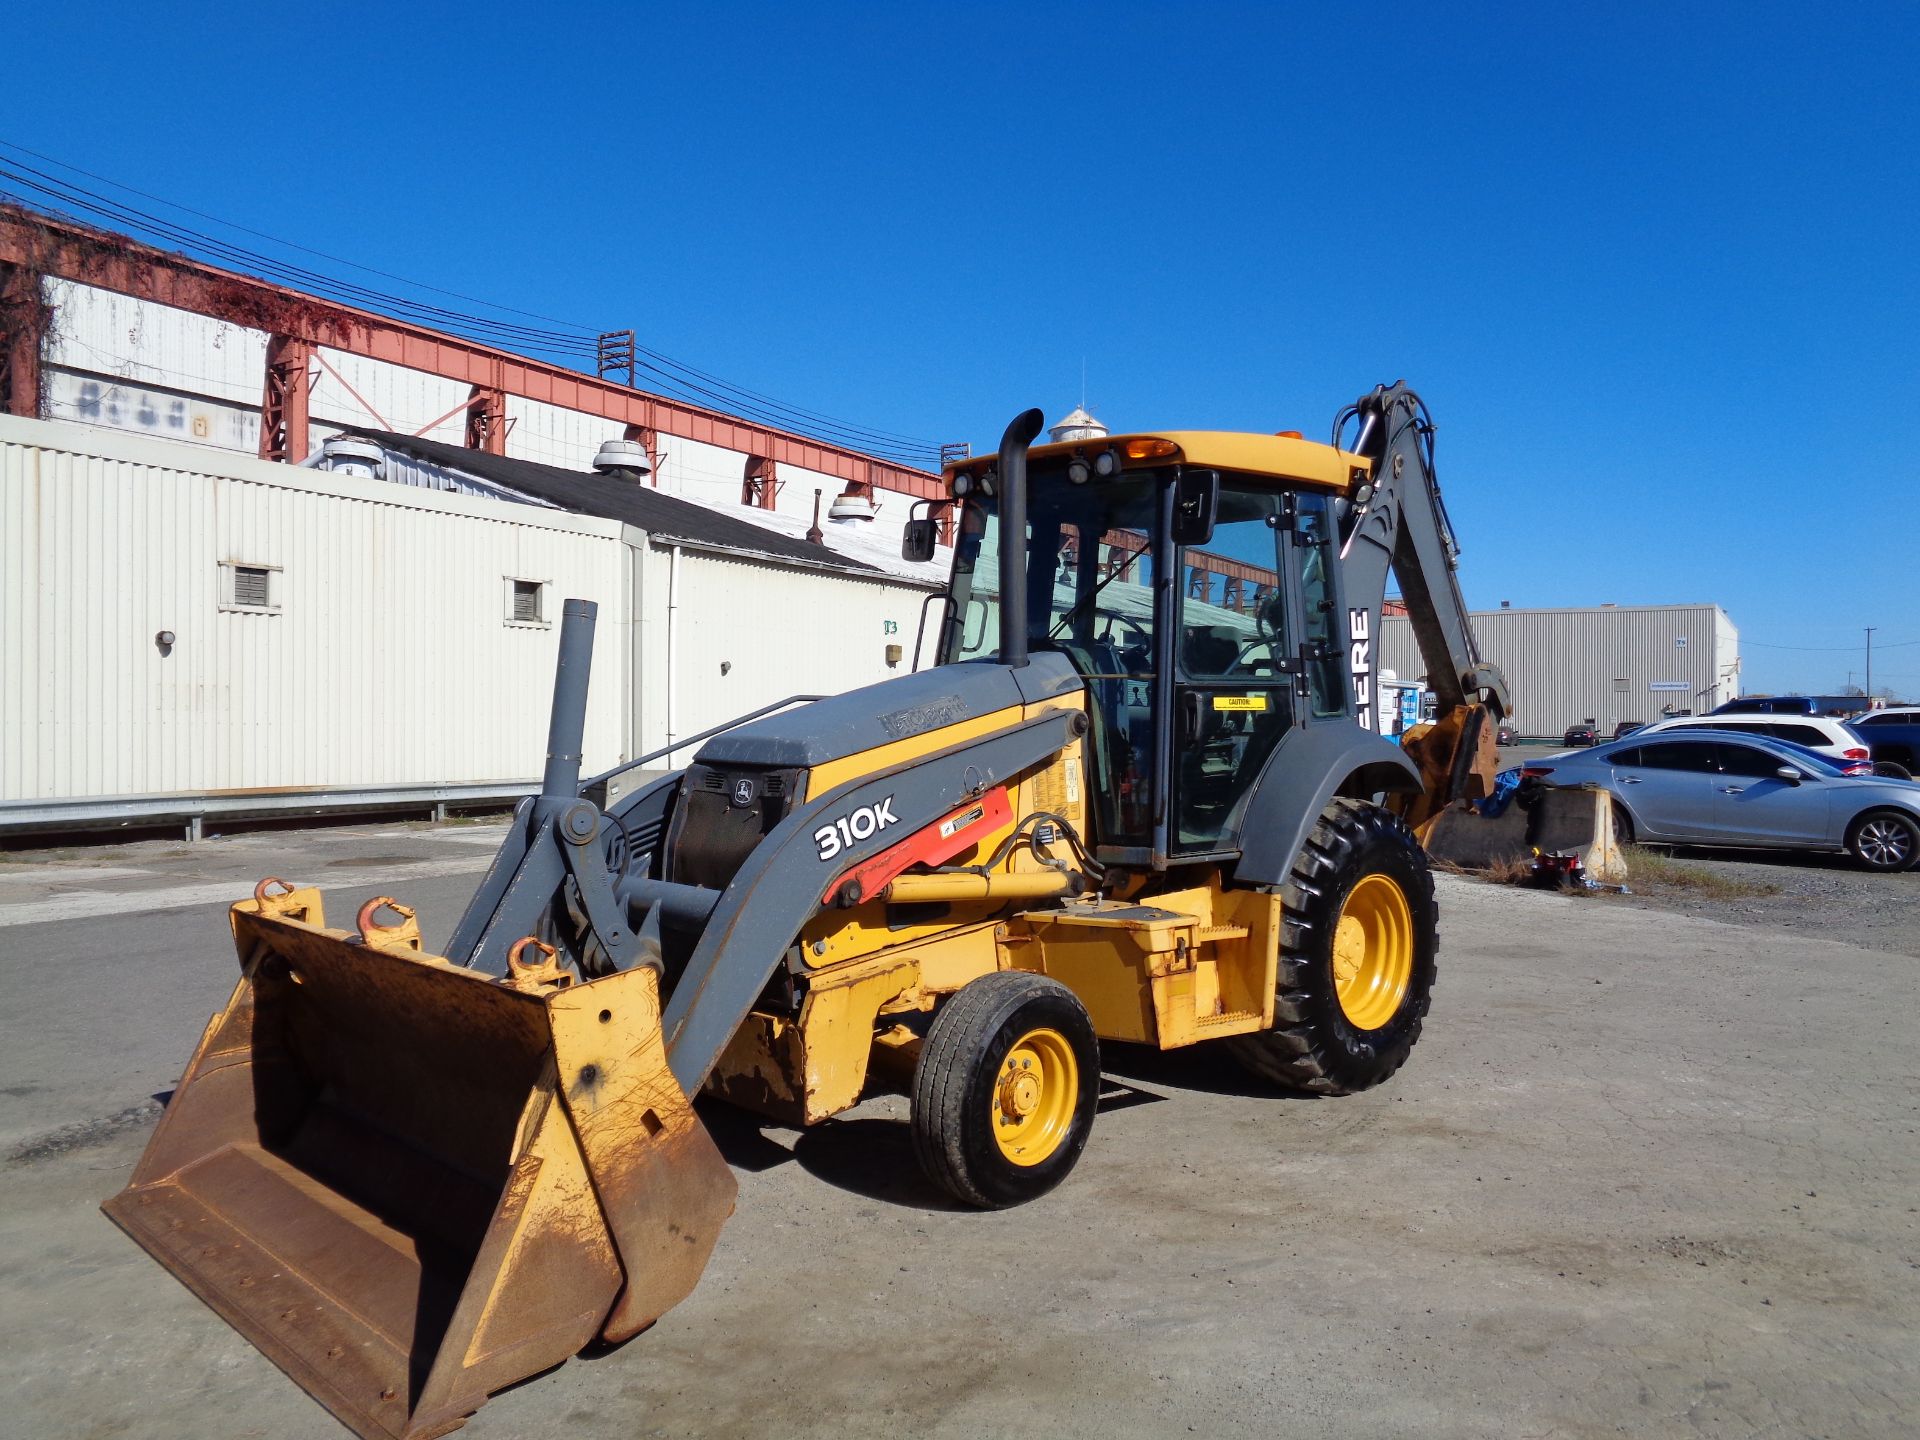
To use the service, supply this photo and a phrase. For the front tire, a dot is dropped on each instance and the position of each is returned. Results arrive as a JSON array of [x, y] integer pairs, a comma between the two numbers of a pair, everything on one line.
[[1884, 840], [1357, 952], [1005, 1089]]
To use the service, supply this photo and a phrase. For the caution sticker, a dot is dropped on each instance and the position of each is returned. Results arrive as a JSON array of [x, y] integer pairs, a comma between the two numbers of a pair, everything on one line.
[[1239, 702]]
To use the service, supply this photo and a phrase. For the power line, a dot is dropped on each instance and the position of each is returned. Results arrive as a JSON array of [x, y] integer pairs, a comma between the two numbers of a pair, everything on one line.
[[1829, 649], [575, 344]]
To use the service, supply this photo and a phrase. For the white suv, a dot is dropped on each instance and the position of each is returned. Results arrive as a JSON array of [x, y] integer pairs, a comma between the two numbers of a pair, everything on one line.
[[1819, 733]]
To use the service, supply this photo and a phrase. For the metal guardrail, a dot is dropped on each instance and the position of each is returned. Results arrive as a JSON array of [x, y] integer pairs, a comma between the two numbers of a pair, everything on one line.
[[193, 811]]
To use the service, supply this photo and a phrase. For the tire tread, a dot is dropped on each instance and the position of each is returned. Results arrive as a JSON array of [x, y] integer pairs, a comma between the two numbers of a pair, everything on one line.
[[1296, 1052]]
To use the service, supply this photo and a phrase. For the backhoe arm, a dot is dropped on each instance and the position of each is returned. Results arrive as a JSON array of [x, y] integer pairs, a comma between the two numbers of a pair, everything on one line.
[[1396, 522], [1401, 526]]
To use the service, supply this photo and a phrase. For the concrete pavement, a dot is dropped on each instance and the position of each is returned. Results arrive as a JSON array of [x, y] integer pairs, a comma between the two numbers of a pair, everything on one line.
[[1645, 1175]]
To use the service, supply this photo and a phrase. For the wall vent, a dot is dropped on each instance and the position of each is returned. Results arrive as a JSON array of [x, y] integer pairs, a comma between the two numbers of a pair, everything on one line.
[[254, 588], [526, 603]]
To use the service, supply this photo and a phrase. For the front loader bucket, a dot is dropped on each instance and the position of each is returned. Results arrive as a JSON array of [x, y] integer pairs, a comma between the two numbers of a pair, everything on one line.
[[410, 1184]]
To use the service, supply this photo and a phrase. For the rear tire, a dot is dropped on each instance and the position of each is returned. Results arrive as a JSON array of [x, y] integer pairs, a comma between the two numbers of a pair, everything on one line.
[[1622, 823], [1889, 770], [1357, 951], [1004, 1093], [1884, 840]]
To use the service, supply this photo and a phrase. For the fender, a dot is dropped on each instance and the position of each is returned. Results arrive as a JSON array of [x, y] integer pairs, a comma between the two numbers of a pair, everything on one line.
[[1310, 766], [781, 881]]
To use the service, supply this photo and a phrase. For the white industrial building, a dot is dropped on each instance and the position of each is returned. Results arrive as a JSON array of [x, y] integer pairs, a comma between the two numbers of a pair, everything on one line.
[[210, 609], [1599, 664], [187, 631]]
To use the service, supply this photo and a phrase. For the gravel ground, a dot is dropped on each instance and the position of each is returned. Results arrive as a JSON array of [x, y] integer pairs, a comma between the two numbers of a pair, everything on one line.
[[1820, 896]]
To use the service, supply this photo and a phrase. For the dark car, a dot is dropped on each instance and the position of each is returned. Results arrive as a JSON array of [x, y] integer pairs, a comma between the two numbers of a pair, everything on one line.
[[1507, 735], [1579, 735], [1892, 734], [1626, 728]]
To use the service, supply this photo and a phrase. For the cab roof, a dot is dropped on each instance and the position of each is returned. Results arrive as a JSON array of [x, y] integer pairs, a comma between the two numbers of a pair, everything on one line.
[[1280, 457]]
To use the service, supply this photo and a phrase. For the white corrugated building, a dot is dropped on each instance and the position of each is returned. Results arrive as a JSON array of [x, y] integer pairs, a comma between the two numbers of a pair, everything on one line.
[[185, 630], [1599, 664]]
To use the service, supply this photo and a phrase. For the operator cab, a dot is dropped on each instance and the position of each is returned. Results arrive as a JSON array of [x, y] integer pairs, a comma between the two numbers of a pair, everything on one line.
[[1193, 592]]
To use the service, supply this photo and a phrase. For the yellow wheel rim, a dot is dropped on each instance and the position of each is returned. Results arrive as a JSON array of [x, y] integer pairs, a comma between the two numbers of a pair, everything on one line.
[[1034, 1097], [1373, 952]]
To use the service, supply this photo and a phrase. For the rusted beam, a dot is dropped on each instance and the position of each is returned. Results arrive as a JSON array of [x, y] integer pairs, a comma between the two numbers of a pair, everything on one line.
[[487, 421], [115, 262], [284, 408], [23, 333], [760, 483]]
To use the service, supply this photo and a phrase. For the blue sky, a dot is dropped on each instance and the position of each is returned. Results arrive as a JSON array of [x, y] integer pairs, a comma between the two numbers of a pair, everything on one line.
[[1652, 267]]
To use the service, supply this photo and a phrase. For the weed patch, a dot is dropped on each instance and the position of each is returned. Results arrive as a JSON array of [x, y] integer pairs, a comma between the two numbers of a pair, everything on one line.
[[1654, 870]]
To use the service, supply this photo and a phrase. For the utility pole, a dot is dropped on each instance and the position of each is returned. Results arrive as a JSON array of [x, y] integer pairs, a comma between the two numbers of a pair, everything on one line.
[[1870, 630]]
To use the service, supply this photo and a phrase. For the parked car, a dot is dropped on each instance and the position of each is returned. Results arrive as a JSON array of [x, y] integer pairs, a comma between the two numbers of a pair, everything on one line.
[[1893, 735], [1767, 705], [1819, 733], [1699, 786], [1506, 735], [1627, 727], [1579, 735]]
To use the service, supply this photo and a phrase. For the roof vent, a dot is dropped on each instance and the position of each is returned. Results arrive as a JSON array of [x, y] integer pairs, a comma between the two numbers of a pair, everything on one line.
[[853, 503], [623, 459], [345, 455]]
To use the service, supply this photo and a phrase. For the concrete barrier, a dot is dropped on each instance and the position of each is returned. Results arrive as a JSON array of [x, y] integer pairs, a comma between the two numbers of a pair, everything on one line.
[[1579, 820]]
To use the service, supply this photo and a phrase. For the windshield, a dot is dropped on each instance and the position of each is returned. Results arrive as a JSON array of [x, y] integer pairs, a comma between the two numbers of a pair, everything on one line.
[[1090, 591]]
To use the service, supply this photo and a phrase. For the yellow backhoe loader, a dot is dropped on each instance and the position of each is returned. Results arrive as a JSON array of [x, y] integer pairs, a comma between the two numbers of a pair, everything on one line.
[[1137, 798]]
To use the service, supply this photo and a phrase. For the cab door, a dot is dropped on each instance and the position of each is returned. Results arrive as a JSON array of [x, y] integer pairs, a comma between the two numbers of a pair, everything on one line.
[[1247, 600]]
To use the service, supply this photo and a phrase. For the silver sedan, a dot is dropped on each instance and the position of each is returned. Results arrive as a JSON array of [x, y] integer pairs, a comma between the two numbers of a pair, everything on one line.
[[1699, 787]]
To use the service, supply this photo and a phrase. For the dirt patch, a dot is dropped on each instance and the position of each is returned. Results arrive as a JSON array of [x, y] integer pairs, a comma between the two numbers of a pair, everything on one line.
[[83, 1135]]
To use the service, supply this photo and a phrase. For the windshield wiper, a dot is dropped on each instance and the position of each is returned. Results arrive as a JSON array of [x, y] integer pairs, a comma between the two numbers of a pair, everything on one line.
[[1112, 575]]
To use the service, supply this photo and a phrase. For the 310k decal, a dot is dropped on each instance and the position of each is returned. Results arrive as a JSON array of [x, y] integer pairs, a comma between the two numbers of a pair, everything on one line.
[[837, 835]]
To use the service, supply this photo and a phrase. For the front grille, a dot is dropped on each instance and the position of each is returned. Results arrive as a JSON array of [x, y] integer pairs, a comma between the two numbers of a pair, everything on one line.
[[711, 835]]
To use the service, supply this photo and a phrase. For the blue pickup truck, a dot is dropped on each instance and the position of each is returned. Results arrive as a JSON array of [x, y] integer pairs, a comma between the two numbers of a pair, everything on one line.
[[1892, 735]]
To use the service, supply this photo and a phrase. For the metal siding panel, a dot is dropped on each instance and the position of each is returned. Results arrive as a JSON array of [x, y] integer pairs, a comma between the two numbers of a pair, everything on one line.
[[551, 435], [782, 632], [1561, 664], [390, 397], [700, 471], [389, 661], [104, 333]]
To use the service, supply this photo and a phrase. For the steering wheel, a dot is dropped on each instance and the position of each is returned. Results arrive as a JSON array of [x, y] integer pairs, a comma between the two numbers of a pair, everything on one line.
[[1259, 642], [1266, 620], [1138, 630]]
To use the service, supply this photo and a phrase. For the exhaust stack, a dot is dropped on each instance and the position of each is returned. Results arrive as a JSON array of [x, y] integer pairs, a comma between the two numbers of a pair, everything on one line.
[[1013, 535]]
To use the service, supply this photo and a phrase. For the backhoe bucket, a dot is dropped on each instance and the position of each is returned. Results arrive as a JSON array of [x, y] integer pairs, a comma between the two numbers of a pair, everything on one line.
[[410, 1184]]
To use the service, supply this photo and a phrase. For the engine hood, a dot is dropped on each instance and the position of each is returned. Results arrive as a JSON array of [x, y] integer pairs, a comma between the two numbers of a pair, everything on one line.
[[897, 709]]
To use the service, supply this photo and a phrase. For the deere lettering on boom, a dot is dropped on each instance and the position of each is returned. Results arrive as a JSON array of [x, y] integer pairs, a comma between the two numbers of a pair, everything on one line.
[[1130, 802]]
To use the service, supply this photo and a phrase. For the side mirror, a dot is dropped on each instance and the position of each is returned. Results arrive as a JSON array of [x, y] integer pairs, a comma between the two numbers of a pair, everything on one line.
[[918, 540], [1788, 774], [1196, 500]]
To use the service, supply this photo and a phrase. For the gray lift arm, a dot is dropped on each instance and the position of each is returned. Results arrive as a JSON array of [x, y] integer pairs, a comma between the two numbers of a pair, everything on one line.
[[1399, 524]]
